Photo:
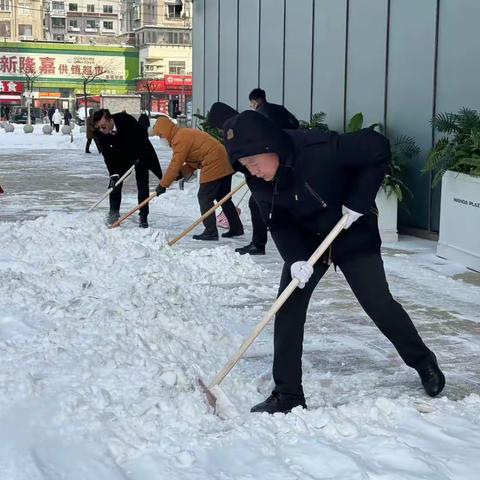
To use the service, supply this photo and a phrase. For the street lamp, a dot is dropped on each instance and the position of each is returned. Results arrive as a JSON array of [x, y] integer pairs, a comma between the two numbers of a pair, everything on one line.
[[182, 73]]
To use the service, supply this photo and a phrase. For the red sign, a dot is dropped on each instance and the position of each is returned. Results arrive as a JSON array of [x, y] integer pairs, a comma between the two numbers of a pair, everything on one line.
[[10, 87], [177, 80]]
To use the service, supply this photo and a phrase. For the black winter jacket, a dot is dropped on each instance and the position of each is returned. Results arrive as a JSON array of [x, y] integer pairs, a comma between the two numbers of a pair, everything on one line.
[[321, 171], [279, 115], [129, 144]]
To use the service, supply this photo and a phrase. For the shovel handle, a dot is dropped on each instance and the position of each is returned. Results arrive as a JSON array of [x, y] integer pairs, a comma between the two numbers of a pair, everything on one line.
[[279, 302], [110, 190], [133, 210], [207, 213]]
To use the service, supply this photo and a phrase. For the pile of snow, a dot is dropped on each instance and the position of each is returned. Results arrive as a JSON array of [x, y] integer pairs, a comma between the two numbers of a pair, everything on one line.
[[103, 334]]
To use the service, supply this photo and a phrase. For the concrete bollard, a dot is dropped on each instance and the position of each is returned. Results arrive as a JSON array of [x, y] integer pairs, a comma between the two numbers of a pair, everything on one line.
[[9, 128], [47, 130], [28, 128], [66, 130]]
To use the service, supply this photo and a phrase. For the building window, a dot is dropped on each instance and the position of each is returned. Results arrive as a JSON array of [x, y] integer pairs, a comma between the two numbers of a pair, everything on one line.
[[108, 25], [175, 68], [25, 30], [91, 8], [174, 11], [90, 24], [178, 38], [5, 29], [73, 7], [59, 37], [24, 9], [108, 9], [4, 5], [58, 22], [58, 6], [73, 25]]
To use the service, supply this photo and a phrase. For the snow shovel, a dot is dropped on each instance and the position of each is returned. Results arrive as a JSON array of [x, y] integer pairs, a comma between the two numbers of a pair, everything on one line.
[[222, 220], [215, 396], [110, 190], [133, 210], [207, 213]]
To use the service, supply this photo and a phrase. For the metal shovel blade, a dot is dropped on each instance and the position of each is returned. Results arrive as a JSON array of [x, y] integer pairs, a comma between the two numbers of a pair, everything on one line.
[[218, 400]]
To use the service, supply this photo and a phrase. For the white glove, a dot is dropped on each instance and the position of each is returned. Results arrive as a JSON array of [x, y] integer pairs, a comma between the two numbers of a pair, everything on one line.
[[352, 216], [302, 271]]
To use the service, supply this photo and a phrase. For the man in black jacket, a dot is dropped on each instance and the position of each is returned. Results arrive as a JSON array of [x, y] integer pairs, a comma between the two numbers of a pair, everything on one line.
[[303, 181], [124, 143]]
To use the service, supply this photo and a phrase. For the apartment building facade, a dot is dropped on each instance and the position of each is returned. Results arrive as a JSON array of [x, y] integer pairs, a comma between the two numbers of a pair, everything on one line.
[[21, 20], [83, 21]]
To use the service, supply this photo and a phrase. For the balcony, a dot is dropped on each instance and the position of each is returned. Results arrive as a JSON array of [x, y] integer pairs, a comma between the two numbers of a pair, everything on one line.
[[57, 13]]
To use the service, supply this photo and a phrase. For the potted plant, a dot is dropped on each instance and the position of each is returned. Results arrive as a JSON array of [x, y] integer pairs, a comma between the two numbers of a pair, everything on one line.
[[455, 161], [393, 190]]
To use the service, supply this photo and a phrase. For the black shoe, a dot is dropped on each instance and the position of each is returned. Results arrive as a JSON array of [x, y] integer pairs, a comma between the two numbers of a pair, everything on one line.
[[280, 402], [206, 236], [433, 380], [113, 216], [88, 151], [251, 249], [233, 233], [143, 223]]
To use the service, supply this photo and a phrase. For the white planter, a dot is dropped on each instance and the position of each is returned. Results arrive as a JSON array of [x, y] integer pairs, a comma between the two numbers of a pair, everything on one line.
[[459, 239], [387, 216]]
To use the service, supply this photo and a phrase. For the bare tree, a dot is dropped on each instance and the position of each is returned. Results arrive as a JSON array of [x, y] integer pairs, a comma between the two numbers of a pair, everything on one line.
[[30, 78], [147, 86], [89, 76]]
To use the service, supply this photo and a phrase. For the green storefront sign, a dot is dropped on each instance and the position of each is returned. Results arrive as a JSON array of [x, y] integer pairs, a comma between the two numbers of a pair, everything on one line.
[[63, 67]]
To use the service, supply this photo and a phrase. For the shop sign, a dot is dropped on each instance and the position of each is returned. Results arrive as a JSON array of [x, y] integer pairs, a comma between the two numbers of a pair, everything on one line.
[[62, 65], [10, 87], [177, 80]]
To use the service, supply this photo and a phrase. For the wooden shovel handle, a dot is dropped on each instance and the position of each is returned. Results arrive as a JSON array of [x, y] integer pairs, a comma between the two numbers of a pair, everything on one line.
[[207, 213], [279, 302], [133, 210]]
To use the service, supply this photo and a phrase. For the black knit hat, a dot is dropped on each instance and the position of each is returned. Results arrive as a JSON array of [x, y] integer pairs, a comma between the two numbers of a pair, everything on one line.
[[219, 113], [251, 133]]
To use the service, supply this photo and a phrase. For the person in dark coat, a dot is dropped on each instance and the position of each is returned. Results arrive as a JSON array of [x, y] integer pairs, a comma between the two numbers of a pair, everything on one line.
[[144, 121], [67, 117], [92, 133], [125, 143], [303, 181], [51, 111]]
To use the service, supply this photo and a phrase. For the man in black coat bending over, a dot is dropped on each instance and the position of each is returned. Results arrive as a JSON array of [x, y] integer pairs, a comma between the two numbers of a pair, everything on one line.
[[303, 181], [124, 142]]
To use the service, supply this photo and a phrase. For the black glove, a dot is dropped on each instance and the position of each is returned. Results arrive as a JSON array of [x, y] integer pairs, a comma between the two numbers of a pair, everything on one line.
[[113, 180], [159, 190]]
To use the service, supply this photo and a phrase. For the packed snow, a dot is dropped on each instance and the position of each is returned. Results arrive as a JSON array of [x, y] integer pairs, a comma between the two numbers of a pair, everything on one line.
[[104, 333]]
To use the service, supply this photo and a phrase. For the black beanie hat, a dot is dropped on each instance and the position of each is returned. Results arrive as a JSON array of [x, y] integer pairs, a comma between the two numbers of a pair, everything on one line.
[[219, 113], [251, 133]]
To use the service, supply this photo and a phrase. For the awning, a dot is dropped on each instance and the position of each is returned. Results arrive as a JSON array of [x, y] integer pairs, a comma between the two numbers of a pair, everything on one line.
[[11, 99]]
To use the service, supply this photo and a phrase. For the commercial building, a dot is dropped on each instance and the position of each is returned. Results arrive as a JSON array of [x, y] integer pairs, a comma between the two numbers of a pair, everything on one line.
[[397, 61]]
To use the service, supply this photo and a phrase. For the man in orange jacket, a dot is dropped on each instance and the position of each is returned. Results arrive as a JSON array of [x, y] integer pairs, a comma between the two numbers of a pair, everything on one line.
[[192, 150]]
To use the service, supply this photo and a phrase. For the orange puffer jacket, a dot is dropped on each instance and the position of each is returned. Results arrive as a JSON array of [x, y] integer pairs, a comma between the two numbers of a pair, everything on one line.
[[192, 149]]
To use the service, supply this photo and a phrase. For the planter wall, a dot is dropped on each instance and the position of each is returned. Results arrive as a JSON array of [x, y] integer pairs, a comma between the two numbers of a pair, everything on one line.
[[459, 238], [387, 216]]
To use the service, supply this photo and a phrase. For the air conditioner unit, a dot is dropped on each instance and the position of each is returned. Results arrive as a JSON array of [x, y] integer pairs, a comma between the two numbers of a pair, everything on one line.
[[73, 38]]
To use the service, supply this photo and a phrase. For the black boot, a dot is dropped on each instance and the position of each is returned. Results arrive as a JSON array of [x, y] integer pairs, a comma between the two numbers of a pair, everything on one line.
[[251, 249], [113, 216], [143, 222], [433, 380], [233, 233], [279, 402], [206, 236]]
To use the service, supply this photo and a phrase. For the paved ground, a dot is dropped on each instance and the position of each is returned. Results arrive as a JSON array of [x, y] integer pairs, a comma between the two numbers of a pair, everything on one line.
[[443, 299]]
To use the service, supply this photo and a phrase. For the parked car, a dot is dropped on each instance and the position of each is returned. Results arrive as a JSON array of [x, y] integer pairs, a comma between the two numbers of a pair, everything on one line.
[[20, 115]]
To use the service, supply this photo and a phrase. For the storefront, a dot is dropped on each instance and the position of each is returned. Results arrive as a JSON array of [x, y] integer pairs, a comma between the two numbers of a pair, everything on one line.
[[172, 93], [10, 95], [61, 73]]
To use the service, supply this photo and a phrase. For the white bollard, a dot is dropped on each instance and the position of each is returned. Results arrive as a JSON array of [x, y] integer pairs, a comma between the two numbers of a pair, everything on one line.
[[9, 128], [66, 130], [28, 128], [47, 130]]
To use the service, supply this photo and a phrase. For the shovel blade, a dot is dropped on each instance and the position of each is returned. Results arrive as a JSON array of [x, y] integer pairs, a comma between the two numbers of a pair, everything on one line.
[[218, 400]]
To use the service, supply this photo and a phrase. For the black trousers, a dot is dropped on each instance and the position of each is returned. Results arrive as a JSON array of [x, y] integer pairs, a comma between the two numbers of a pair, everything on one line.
[[97, 143], [141, 176], [216, 190], [259, 227], [56, 126], [366, 277]]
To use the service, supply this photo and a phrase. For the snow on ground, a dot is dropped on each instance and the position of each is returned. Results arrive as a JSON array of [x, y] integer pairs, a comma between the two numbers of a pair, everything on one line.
[[103, 334]]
